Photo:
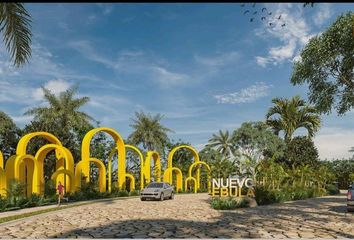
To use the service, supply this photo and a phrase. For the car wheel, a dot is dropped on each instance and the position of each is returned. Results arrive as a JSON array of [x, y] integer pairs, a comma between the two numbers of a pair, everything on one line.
[[172, 196], [142, 199], [162, 197]]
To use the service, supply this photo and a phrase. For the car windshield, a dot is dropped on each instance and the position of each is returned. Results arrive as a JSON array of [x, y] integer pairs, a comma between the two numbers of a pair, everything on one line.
[[155, 185]]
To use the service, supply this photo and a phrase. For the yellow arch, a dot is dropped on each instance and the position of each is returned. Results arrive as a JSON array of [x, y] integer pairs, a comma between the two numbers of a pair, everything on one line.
[[195, 156], [3, 183], [157, 168], [101, 169], [1, 160], [110, 159], [23, 143], [70, 174], [132, 181], [29, 163], [85, 153], [190, 174], [136, 150], [65, 162], [167, 177], [194, 181]]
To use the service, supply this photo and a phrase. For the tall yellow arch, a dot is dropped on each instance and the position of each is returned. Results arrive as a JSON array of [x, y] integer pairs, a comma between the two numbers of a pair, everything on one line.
[[195, 156], [66, 161], [157, 167], [85, 153], [110, 159], [101, 169], [194, 182], [3, 182], [168, 173], [193, 165], [23, 143]]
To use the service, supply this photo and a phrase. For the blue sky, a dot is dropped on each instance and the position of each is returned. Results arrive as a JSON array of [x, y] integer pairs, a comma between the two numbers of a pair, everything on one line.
[[204, 66]]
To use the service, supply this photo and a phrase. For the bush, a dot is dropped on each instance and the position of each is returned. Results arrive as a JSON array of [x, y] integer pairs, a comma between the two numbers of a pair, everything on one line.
[[50, 189], [123, 193], [134, 193], [228, 203], [332, 189]]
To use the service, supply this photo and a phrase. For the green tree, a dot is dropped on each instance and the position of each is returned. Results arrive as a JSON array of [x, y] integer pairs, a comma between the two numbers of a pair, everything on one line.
[[292, 114], [148, 131], [301, 151], [255, 141], [15, 24], [223, 143], [327, 65], [9, 135], [63, 118]]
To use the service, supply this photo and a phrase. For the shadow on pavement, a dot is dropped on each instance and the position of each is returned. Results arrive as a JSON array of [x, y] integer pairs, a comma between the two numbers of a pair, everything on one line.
[[295, 217]]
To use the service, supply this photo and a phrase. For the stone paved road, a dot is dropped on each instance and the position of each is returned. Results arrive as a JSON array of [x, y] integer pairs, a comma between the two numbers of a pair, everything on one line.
[[189, 216]]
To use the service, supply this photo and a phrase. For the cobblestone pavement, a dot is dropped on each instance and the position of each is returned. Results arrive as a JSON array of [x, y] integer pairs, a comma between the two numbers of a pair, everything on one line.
[[189, 216]]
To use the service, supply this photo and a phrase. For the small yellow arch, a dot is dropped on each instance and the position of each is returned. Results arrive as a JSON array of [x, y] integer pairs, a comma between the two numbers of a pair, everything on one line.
[[195, 156], [85, 152], [157, 167], [209, 174], [194, 182], [66, 161], [1, 160], [132, 181], [101, 169], [3, 183], [70, 183], [29, 163], [167, 177]]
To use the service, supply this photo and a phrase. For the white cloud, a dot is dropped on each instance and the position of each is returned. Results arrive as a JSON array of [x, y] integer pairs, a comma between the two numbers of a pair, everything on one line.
[[323, 14], [295, 34], [219, 60], [167, 78], [55, 86], [106, 8], [246, 95], [334, 143]]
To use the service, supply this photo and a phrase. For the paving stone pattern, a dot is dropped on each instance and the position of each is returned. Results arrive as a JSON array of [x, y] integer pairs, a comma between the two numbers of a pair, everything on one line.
[[189, 216]]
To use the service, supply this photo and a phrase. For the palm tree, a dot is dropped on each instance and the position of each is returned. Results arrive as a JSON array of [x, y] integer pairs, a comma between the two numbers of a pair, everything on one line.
[[293, 113], [149, 131], [63, 110], [223, 143], [15, 23]]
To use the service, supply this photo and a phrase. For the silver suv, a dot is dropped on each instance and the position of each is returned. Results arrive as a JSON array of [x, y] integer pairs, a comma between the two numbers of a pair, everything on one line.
[[157, 190]]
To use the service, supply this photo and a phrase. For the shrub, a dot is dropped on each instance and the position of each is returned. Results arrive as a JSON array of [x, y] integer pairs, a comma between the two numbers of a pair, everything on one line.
[[228, 203], [332, 189], [134, 193], [49, 189], [123, 193]]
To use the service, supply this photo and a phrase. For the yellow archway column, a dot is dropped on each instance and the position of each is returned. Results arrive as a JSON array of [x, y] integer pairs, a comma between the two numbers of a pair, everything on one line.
[[147, 165], [70, 174], [209, 174], [167, 177], [101, 173], [85, 152]]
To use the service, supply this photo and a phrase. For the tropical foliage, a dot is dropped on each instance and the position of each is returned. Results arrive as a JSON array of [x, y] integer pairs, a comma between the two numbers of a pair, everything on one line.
[[292, 114], [327, 65], [15, 24]]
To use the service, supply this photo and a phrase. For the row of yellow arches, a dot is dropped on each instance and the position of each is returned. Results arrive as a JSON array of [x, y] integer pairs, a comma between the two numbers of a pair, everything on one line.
[[28, 169]]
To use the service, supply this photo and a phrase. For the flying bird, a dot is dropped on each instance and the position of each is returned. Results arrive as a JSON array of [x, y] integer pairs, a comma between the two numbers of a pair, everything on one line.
[[251, 20], [270, 13], [247, 11], [271, 24], [253, 5], [264, 9], [279, 17], [283, 25], [255, 13], [263, 18], [242, 5]]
